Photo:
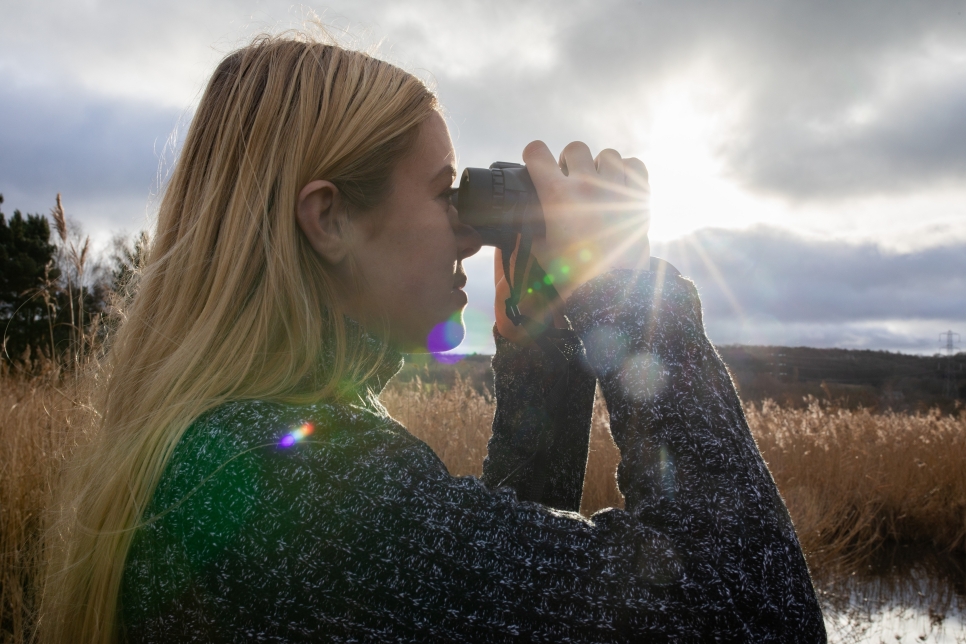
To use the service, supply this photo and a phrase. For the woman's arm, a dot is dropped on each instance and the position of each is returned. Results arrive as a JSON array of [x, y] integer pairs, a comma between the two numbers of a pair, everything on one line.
[[690, 467], [540, 437]]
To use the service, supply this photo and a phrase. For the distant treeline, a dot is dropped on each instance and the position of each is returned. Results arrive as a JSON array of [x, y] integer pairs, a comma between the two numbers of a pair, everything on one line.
[[55, 294], [851, 378], [877, 380]]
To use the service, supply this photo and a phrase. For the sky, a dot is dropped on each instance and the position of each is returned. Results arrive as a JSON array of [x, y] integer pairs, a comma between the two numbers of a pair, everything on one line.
[[807, 159]]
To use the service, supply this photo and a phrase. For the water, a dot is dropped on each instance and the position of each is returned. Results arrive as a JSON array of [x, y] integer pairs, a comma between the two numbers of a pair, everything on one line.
[[906, 595]]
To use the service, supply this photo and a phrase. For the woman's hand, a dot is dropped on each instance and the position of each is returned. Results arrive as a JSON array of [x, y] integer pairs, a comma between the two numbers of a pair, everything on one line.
[[597, 215]]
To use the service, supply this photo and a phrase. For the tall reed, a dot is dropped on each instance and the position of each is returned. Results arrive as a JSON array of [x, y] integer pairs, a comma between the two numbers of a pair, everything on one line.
[[43, 413], [852, 480]]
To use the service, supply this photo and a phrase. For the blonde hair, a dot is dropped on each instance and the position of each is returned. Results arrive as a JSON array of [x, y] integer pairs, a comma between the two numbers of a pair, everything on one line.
[[233, 303]]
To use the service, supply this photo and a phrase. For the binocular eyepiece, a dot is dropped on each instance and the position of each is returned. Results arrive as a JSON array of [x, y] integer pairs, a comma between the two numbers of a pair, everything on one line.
[[500, 202]]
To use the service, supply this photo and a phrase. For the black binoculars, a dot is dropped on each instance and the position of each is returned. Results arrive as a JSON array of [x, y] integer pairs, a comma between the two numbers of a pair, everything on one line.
[[500, 202]]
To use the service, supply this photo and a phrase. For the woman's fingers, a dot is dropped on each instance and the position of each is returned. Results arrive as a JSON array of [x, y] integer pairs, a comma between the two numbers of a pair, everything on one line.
[[635, 175], [610, 166], [600, 206], [577, 159], [540, 164]]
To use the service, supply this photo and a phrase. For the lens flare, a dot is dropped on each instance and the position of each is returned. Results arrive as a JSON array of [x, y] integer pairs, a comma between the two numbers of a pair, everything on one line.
[[296, 435], [446, 336]]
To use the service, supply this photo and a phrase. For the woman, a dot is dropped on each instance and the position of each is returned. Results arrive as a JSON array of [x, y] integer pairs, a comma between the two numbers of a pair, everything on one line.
[[246, 484]]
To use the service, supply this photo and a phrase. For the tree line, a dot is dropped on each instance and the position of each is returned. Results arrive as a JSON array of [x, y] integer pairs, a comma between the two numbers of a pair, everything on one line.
[[56, 296]]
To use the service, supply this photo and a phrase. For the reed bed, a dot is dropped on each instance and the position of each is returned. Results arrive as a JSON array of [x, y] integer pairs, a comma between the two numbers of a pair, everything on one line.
[[41, 416], [455, 421], [854, 481]]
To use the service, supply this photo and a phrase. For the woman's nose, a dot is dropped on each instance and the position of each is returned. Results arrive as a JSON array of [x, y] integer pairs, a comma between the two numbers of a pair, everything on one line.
[[468, 241]]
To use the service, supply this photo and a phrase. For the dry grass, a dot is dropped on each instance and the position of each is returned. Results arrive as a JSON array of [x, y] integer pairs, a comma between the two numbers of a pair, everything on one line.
[[38, 411], [853, 480]]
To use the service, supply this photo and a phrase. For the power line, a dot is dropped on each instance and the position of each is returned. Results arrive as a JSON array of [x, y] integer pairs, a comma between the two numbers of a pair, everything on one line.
[[949, 341]]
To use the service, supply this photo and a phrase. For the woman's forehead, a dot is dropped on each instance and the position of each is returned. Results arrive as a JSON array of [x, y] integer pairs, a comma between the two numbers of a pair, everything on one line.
[[433, 153]]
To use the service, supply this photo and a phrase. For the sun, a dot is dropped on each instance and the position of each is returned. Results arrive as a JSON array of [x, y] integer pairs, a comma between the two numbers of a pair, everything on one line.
[[688, 187]]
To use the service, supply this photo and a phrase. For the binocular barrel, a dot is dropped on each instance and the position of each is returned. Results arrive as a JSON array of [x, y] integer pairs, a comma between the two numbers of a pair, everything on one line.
[[499, 202]]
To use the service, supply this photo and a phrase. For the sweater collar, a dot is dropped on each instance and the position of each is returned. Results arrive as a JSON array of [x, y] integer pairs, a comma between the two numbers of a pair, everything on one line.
[[383, 362]]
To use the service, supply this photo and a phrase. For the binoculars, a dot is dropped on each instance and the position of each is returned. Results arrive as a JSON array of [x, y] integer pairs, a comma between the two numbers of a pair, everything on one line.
[[500, 202]]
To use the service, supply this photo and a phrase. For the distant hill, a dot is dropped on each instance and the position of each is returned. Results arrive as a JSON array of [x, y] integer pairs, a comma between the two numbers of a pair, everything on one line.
[[876, 379]]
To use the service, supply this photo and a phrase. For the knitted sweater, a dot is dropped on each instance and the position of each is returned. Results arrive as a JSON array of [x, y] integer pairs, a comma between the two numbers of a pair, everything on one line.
[[331, 522]]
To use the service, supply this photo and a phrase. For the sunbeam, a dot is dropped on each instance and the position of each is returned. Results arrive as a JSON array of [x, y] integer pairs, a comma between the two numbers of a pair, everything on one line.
[[695, 244]]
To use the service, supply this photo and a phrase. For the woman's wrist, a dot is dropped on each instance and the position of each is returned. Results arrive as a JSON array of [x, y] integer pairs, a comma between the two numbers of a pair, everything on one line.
[[569, 268], [535, 307]]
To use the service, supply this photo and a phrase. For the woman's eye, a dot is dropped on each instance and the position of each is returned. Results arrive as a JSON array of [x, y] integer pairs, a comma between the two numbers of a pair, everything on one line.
[[448, 193]]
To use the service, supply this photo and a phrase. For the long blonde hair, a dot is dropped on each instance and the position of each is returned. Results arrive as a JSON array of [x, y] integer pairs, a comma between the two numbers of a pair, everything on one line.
[[232, 304]]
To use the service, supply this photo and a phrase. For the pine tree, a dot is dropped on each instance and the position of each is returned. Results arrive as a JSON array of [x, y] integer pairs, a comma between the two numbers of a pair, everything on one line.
[[27, 271]]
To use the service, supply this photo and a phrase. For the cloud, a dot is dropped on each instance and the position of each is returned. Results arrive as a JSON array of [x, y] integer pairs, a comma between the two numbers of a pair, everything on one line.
[[90, 148], [766, 285], [902, 129], [814, 101], [821, 100]]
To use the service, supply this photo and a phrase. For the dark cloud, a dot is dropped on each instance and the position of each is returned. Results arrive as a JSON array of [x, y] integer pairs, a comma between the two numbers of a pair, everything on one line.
[[768, 286], [88, 147], [915, 143], [834, 99], [773, 284], [823, 100]]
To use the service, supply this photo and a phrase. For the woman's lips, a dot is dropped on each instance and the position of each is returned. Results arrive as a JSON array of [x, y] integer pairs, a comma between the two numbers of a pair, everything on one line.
[[458, 285]]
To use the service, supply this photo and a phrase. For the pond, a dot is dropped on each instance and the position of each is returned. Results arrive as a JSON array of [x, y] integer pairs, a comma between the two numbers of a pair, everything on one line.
[[907, 594]]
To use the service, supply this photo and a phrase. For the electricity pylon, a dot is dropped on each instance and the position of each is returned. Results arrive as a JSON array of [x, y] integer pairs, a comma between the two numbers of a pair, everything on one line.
[[949, 341]]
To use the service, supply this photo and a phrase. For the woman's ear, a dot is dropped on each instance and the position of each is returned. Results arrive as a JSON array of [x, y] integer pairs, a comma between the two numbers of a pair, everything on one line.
[[321, 216]]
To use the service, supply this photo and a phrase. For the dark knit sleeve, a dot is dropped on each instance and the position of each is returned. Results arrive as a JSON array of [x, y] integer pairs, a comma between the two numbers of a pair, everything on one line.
[[689, 465], [689, 468], [535, 450]]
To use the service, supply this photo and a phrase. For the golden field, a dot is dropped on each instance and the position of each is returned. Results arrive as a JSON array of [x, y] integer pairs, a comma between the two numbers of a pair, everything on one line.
[[853, 480]]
